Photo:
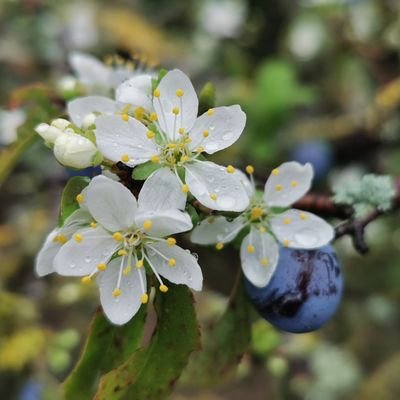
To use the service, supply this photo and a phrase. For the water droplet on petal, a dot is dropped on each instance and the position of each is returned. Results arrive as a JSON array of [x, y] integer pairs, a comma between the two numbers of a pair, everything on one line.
[[88, 259]]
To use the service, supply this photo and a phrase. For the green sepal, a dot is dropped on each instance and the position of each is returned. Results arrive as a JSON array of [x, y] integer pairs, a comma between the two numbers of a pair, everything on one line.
[[97, 159], [143, 171], [193, 214], [161, 73]]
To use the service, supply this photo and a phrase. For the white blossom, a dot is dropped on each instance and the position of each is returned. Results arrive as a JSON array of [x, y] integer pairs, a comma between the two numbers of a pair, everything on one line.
[[10, 121], [269, 222]]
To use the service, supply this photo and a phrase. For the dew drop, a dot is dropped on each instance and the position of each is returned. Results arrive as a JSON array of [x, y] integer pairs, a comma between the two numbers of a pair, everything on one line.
[[72, 266], [88, 259]]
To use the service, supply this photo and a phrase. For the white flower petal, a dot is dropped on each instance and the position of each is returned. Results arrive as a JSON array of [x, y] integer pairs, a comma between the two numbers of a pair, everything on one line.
[[216, 230], [111, 203], [81, 107], [121, 309], [45, 257], [188, 104], [81, 258], [223, 127], [116, 139], [260, 264], [287, 184], [215, 188], [186, 269], [301, 230], [165, 222], [248, 185], [161, 191], [136, 91]]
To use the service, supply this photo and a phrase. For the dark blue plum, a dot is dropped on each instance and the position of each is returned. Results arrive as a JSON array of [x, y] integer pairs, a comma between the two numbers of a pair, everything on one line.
[[318, 153], [304, 291], [90, 172]]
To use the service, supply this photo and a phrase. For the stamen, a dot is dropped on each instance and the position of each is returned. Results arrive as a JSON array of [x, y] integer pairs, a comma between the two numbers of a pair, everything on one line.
[[86, 280], [101, 267], [185, 188], [230, 169], [122, 252], [79, 198], [139, 113], [185, 158], [286, 243], [278, 188], [199, 149], [262, 229], [287, 221], [205, 133], [250, 169], [125, 158], [150, 134], [294, 184], [139, 264], [256, 213], [117, 236], [78, 237], [264, 261], [93, 224], [163, 288], [156, 93], [155, 159], [125, 117], [153, 269], [250, 248], [147, 224], [213, 196], [172, 262], [144, 298], [175, 110], [116, 293], [219, 246], [179, 92], [275, 172], [181, 131], [153, 117], [303, 216], [210, 112], [171, 241]]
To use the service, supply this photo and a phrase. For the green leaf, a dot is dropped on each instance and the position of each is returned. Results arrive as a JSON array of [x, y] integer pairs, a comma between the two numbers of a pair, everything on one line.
[[68, 199], [206, 97], [107, 347], [225, 345], [143, 171], [150, 373], [193, 214]]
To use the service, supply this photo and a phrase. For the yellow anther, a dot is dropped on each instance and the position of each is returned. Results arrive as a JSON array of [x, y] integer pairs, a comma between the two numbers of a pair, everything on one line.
[[275, 172], [171, 146], [156, 93], [185, 158], [175, 110], [286, 243], [188, 140], [78, 237], [62, 239], [127, 270], [150, 134], [125, 117], [230, 169], [185, 188], [294, 184], [155, 159], [256, 213], [139, 113], [213, 196], [200, 149], [101, 267], [86, 280], [180, 92], [147, 224], [139, 263], [250, 169], [210, 112], [118, 236], [153, 117], [219, 246], [287, 221], [303, 216], [264, 262], [262, 229], [116, 293], [93, 224], [163, 288], [122, 252], [79, 198], [250, 248], [171, 241], [125, 158], [205, 133], [278, 187], [172, 262], [144, 298], [181, 131]]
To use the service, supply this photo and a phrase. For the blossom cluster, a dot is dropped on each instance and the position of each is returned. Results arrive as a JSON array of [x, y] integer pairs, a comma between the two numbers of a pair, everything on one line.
[[141, 120]]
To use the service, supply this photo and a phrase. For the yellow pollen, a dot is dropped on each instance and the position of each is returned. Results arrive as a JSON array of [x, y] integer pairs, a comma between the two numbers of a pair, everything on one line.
[[303, 216], [86, 280], [205, 134], [147, 224], [144, 298], [60, 239], [171, 145], [264, 262], [294, 184], [172, 262], [286, 243], [250, 248], [175, 110], [179, 92], [122, 252], [125, 117], [278, 188], [230, 169], [275, 172], [188, 140], [171, 241], [163, 288], [181, 131], [156, 93], [287, 221], [93, 224], [250, 169], [78, 237], [219, 246], [256, 213], [200, 149], [127, 270], [153, 117], [262, 229], [155, 159], [139, 263], [79, 198], [185, 158], [116, 293], [101, 267], [185, 188], [213, 196], [117, 236], [125, 158], [210, 112], [150, 134], [139, 113]]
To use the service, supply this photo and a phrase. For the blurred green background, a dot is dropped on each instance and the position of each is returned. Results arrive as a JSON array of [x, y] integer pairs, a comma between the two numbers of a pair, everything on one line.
[[318, 80]]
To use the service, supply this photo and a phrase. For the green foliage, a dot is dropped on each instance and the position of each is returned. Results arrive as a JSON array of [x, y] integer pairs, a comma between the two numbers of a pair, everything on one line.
[[372, 191], [206, 98], [107, 347], [143, 171], [149, 373], [68, 199]]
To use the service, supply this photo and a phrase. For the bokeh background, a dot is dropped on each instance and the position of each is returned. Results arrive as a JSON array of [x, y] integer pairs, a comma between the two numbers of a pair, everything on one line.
[[311, 76]]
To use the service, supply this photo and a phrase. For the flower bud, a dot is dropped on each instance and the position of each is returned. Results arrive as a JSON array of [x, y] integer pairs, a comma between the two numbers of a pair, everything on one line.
[[89, 120], [74, 151], [60, 123], [48, 133]]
